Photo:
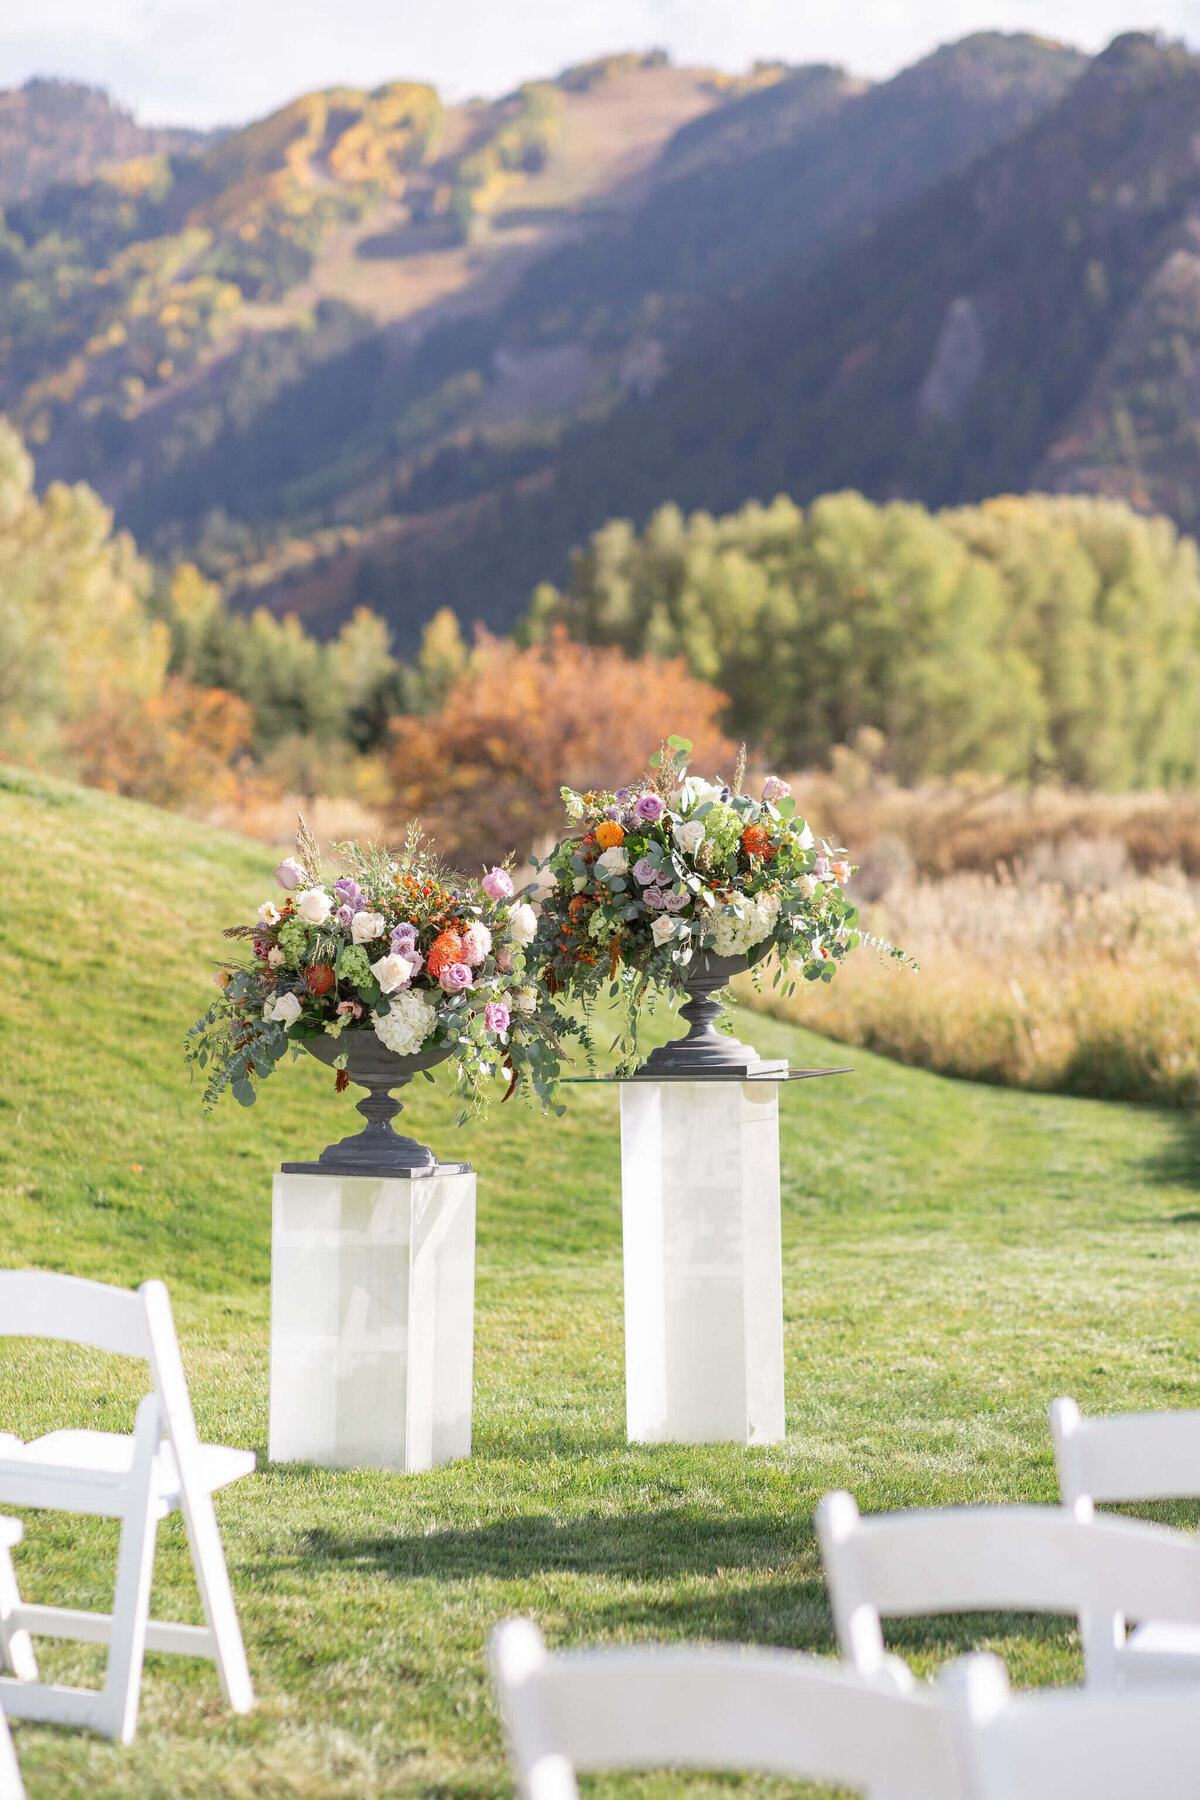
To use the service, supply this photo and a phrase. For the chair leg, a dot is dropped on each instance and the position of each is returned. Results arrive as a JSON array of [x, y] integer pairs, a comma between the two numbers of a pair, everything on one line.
[[16, 1646], [135, 1570], [216, 1595]]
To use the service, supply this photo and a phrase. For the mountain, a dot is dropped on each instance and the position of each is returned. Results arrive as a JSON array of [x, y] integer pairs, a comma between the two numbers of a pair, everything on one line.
[[326, 347], [1032, 321], [61, 131]]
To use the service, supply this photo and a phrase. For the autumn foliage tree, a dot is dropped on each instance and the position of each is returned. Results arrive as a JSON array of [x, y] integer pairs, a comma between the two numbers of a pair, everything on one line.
[[482, 775]]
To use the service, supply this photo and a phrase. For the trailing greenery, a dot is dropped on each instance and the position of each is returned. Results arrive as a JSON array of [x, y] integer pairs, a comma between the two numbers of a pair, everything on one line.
[[1026, 636], [952, 1253]]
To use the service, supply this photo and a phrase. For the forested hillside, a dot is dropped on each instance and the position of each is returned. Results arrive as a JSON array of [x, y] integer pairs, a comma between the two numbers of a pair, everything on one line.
[[1031, 322], [61, 131], [339, 339]]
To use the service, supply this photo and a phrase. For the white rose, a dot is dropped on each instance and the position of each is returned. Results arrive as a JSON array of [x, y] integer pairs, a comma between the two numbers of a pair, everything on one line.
[[523, 1000], [662, 929], [613, 861], [392, 972], [522, 924], [808, 886], [283, 1011], [365, 927], [689, 836], [276, 958], [269, 913], [314, 906], [768, 904]]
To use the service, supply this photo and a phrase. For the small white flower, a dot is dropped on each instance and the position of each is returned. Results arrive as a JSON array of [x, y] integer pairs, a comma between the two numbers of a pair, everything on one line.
[[523, 999], [522, 924], [662, 929], [689, 836], [806, 839], [365, 927], [808, 886], [694, 793], [392, 972], [269, 913], [612, 862], [276, 958], [314, 906], [283, 1010]]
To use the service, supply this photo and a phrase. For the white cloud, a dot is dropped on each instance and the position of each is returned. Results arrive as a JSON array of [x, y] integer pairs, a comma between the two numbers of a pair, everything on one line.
[[208, 61]]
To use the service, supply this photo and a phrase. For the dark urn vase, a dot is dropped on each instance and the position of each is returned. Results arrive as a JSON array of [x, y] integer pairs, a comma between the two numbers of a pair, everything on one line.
[[706, 1052], [378, 1150]]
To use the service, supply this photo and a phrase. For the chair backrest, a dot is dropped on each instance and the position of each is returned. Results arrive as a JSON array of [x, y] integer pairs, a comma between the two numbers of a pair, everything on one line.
[[776, 1712], [1126, 1456], [1069, 1745], [1000, 1559], [35, 1303]]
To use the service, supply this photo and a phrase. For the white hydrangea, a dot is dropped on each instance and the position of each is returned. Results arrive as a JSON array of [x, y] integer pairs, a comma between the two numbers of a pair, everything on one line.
[[729, 933], [407, 1023]]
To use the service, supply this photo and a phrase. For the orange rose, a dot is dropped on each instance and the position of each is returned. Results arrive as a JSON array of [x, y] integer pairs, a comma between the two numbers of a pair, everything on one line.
[[609, 834]]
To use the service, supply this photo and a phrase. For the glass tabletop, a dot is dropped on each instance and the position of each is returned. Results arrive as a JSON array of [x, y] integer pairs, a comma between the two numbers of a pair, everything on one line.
[[717, 1075]]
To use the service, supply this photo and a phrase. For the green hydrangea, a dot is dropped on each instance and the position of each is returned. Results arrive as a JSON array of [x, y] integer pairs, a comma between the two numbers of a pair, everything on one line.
[[722, 828], [293, 941], [355, 965]]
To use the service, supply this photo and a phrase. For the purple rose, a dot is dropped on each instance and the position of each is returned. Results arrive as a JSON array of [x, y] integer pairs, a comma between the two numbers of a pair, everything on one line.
[[645, 871], [290, 875], [404, 937], [349, 892], [774, 789], [648, 808], [655, 899], [497, 884], [496, 1017], [344, 915], [622, 795], [612, 812], [675, 901], [414, 959], [455, 978]]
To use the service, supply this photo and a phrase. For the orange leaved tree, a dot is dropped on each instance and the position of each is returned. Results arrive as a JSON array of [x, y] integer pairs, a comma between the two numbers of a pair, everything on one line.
[[179, 748], [482, 775]]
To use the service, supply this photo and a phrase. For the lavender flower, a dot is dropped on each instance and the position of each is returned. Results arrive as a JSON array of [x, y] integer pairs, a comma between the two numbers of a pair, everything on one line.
[[675, 902], [455, 978], [648, 808], [655, 899], [646, 871], [774, 789], [612, 812], [622, 795], [404, 936], [349, 892]]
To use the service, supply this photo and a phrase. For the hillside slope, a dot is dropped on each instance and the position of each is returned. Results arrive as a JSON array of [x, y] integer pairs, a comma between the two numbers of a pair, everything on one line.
[[951, 1254], [1031, 321], [60, 131], [294, 352]]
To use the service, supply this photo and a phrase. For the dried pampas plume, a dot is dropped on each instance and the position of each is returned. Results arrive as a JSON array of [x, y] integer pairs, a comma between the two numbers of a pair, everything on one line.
[[739, 773], [308, 851]]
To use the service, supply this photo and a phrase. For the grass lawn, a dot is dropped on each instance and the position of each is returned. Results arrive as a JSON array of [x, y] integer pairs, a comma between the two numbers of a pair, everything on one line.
[[954, 1257]]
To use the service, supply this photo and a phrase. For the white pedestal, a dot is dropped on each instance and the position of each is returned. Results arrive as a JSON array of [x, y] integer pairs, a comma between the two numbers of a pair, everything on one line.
[[372, 1320], [703, 1262]]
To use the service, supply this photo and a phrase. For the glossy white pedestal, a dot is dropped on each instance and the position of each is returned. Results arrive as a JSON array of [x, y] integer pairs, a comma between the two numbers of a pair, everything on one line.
[[703, 1262], [372, 1320]]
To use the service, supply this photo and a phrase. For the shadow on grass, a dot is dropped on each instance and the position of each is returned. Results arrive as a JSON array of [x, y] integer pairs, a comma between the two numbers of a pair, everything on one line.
[[647, 1546], [1177, 1164]]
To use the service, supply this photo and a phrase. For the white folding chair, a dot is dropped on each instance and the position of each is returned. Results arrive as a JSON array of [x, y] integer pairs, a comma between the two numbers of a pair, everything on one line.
[[1002, 1559], [1133, 1456], [139, 1480], [772, 1711], [1068, 1745]]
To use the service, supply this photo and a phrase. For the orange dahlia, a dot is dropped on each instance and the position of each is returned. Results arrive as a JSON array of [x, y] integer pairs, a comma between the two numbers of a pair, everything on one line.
[[756, 841], [610, 834], [319, 978], [446, 948]]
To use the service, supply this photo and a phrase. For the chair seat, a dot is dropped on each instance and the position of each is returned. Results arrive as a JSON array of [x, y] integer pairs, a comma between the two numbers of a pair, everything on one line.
[[11, 1532], [1160, 1651], [108, 1456]]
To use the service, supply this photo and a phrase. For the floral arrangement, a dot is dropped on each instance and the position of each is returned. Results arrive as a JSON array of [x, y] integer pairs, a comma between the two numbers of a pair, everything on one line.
[[394, 945], [673, 866]]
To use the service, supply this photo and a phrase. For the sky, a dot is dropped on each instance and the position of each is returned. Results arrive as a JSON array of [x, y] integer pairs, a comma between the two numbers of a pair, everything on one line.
[[208, 62]]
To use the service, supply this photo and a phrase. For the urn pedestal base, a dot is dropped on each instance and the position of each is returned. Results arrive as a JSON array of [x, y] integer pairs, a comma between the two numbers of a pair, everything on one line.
[[703, 1262], [372, 1319]]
